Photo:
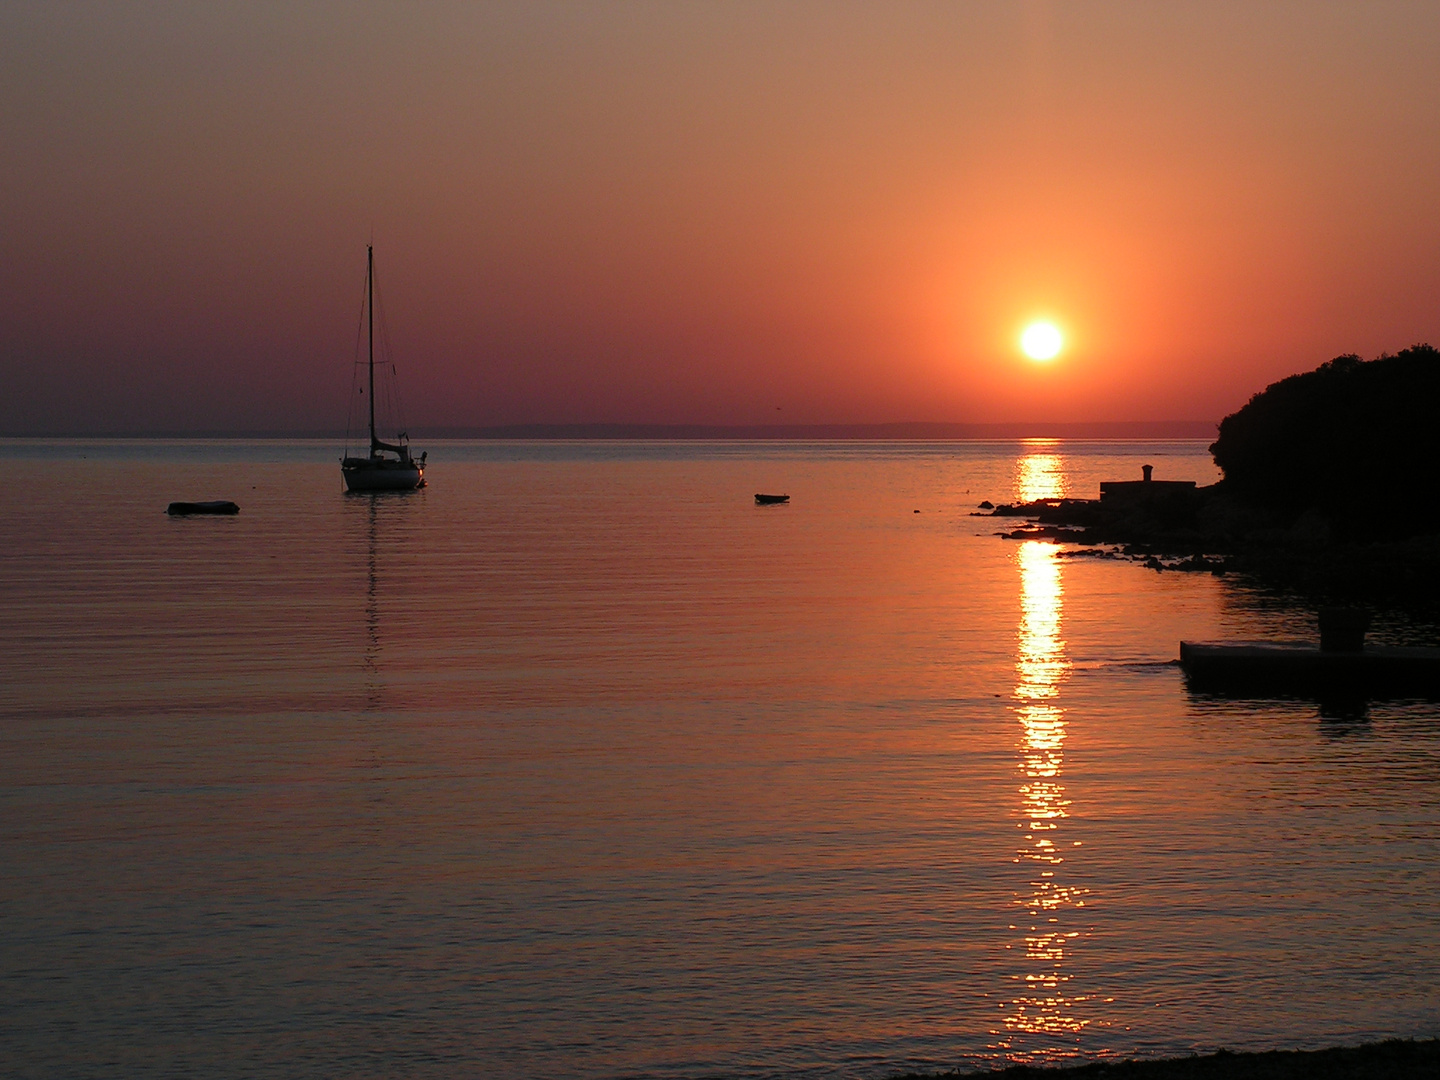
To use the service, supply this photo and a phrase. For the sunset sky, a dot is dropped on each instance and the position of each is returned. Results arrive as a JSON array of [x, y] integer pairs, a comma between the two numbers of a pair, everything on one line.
[[721, 213]]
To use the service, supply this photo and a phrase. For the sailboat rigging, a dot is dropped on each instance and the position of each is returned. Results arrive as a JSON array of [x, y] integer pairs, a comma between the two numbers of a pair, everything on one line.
[[378, 472]]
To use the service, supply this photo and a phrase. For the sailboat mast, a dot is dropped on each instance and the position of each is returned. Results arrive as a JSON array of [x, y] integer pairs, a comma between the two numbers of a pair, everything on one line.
[[370, 308]]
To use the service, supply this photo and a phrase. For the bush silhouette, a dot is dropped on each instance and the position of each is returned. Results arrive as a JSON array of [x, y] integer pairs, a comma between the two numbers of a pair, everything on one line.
[[1352, 440]]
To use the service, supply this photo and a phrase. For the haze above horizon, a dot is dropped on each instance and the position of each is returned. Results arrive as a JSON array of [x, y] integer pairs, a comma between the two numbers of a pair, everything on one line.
[[677, 214]]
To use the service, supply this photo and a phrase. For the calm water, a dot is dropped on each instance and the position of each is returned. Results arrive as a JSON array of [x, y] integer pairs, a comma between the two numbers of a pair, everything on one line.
[[578, 764]]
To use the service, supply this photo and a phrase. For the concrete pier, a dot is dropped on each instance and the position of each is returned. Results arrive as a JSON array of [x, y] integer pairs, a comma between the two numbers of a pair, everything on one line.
[[1296, 667], [1138, 491]]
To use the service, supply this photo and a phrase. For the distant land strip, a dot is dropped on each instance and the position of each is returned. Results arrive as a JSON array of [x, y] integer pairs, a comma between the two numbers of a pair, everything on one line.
[[1395, 1059], [1137, 429], [911, 430]]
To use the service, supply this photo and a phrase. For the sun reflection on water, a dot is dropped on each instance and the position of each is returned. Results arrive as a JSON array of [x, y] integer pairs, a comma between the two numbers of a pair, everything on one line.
[[1040, 474], [1041, 1004]]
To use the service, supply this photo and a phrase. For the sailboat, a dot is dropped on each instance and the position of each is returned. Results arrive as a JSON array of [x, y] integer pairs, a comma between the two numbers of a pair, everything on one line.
[[379, 472]]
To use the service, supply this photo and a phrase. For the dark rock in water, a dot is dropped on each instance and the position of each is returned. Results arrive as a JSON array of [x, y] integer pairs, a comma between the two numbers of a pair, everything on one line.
[[1090, 553], [1046, 532], [185, 509], [1199, 564], [986, 505]]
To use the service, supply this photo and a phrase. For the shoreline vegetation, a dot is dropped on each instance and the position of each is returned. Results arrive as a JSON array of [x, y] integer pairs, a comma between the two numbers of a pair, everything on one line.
[[1327, 492], [1394, 1059]]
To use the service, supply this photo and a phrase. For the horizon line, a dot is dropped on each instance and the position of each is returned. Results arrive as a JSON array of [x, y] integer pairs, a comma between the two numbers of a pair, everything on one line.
[[896, 430]]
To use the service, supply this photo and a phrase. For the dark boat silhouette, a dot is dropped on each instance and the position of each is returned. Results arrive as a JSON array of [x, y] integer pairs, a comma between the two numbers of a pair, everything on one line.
[[379, 472], [217, 506], [770, 500]]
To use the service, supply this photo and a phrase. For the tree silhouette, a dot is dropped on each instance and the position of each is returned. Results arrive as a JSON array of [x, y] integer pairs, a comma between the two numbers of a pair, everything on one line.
[[1352, 441]]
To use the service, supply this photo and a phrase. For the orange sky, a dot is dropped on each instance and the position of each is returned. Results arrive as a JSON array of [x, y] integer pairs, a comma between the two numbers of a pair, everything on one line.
[[694, 213]]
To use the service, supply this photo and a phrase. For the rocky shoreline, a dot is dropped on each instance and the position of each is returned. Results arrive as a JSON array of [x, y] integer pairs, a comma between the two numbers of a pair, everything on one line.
[[1327, 493], [1208, 530]]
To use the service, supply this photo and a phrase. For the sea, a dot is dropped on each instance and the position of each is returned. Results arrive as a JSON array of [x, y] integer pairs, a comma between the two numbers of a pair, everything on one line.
[[579, 764]]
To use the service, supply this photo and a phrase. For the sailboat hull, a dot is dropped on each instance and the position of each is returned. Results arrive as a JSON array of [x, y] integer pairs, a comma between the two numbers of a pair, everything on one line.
[[365, 474]]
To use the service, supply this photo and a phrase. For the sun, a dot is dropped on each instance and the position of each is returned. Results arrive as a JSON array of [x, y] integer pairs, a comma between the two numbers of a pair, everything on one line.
[[1041, 341]]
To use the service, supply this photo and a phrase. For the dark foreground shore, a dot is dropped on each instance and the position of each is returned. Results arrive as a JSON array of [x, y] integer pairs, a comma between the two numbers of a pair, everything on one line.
[[1326, 493], [1397, 1059], [1208, 530]]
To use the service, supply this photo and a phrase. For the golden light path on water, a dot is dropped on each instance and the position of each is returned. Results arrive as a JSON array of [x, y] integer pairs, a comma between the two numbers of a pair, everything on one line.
[[1040, 1005], [1038, 474]]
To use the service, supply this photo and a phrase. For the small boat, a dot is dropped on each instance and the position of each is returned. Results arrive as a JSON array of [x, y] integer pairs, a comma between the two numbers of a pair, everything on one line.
[[218, 506], [770, 500], [377, 472]]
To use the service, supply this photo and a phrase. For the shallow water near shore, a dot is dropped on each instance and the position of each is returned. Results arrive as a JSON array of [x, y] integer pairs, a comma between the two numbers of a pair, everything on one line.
[[577, 763]]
